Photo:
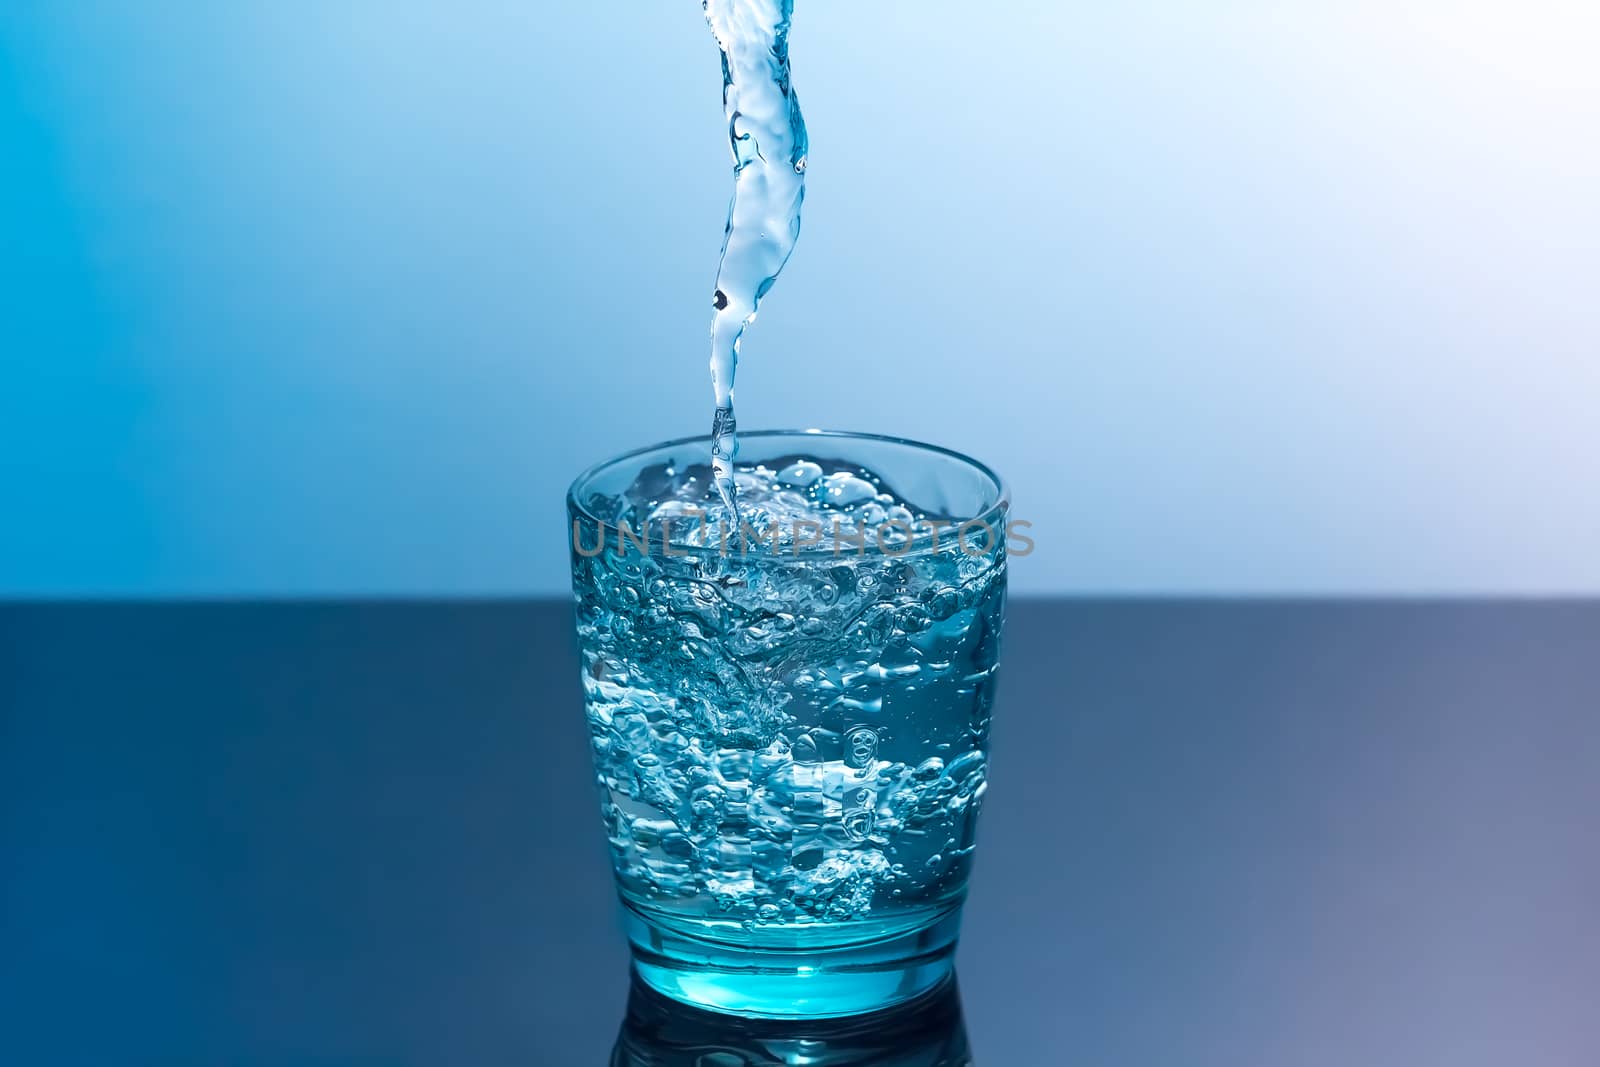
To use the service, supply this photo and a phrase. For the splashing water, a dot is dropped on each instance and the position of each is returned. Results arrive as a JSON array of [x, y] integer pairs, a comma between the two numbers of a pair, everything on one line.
[[768, 137]]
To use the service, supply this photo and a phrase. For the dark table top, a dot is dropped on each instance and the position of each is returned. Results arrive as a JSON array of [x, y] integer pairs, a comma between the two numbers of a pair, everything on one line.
[[1216, 833]]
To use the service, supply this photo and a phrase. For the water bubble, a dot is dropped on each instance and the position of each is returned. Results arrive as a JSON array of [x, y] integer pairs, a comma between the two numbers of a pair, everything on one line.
[[911, 620], [844, 489], [808, 858], [799, 475], [944, 603]]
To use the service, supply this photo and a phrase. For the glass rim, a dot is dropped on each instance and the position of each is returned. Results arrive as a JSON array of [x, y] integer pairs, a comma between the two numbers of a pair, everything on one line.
[[988, 516]]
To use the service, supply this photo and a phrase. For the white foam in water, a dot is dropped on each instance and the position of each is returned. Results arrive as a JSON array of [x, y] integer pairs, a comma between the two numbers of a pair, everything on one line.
[[818, 502], [768, 138]]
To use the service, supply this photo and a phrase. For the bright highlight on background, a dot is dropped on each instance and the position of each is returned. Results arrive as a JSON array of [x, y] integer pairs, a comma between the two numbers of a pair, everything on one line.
[[1243, 297]]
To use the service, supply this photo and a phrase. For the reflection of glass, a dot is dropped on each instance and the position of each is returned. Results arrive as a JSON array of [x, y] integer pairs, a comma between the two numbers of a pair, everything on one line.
[[791, 739], [926, 1032]]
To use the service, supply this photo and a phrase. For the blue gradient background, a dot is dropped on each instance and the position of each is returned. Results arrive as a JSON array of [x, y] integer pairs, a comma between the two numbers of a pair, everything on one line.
[[1243, 297]]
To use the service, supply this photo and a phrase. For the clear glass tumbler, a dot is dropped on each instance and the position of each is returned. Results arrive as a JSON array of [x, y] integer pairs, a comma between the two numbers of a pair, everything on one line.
[[791, 735]]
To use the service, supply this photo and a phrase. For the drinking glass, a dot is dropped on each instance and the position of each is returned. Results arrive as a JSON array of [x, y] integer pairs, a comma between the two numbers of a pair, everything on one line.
[[790, 734]]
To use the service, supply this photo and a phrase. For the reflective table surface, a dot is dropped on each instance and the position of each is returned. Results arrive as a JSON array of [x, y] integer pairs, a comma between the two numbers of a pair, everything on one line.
[[1277, 833]]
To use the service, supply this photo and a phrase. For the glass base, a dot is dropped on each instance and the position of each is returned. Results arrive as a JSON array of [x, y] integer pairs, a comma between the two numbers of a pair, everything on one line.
[[927, 1031], [800, 982]]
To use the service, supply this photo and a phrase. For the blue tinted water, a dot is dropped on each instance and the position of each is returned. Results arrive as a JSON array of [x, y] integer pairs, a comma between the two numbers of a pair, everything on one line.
[[768, 138], [792, 750]]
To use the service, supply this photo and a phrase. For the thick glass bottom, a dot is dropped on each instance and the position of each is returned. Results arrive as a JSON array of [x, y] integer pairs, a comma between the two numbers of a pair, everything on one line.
[[927, 1031], [798, 981]]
